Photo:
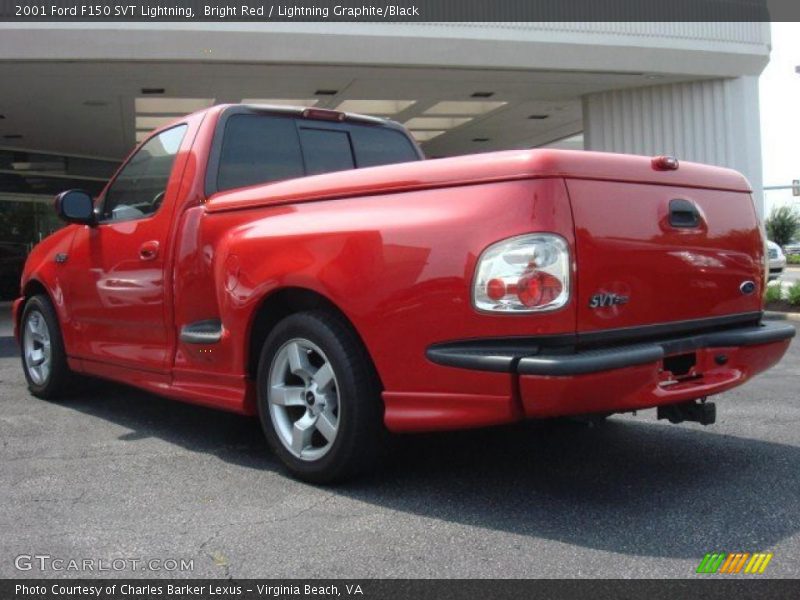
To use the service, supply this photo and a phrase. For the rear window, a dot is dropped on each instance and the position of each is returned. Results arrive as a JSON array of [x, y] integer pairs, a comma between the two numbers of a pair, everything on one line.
[[325, 150], [262, 148], [375, 146]]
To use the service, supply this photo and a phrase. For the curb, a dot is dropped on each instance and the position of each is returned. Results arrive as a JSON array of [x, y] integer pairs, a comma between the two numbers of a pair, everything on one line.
[[773, 315]]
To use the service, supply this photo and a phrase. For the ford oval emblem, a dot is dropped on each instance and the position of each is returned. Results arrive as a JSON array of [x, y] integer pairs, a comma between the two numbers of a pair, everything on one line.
[[748, 287]]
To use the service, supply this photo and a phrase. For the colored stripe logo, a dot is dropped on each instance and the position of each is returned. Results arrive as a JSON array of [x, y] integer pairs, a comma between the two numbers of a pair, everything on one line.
[[735, 562]]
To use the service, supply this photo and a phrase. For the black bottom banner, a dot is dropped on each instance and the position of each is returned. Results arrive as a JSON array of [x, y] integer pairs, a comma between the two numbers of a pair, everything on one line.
[[388, 589]]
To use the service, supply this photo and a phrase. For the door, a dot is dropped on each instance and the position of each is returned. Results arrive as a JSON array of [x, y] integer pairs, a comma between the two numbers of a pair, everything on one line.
[[116, 279]]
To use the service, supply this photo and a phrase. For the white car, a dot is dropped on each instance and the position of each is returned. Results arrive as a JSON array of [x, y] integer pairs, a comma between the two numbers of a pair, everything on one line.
[[777, 261], [792, 248]]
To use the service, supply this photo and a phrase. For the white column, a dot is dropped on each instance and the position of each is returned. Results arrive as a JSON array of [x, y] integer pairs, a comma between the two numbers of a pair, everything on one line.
[[713, 121]]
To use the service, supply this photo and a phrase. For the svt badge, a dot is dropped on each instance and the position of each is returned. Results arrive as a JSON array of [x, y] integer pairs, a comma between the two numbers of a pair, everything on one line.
[[605, 299]]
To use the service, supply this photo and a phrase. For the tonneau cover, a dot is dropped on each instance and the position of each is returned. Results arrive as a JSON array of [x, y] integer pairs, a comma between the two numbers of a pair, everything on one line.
[[474, 169]]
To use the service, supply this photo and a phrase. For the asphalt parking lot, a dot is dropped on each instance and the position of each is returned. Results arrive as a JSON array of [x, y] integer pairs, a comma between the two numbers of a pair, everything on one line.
[[117, 473]]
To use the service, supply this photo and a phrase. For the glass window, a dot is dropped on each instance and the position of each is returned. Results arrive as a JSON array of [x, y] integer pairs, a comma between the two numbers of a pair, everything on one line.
[[376, 146], [258, 149], [139, 189], [326, 150]]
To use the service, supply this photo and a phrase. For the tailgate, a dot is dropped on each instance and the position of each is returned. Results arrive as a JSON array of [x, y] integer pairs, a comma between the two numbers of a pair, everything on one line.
[[649, 254]]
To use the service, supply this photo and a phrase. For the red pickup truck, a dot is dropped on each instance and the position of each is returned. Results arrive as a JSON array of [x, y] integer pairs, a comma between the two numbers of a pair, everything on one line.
[[309, 267]]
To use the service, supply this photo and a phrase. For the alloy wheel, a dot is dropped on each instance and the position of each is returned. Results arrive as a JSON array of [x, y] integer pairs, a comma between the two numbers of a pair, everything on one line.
[[303, 399], [36, 347]]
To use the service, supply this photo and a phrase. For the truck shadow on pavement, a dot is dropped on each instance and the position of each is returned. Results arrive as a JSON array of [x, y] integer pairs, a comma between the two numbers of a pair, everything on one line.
[[8, 347], [636, 488]]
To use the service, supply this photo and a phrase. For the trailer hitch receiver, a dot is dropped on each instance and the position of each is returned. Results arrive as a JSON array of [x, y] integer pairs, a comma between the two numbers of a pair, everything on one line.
[[700, 411]]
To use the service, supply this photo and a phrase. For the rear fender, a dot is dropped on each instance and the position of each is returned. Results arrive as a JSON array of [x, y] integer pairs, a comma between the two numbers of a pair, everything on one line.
[[398, 266]]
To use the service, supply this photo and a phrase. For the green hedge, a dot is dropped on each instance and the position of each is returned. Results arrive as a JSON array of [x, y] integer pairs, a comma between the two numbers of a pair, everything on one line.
[[793, 294], [774, 293]]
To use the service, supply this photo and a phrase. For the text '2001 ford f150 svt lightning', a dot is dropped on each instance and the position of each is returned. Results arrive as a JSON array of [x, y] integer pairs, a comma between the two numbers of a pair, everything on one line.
[[308, 266]]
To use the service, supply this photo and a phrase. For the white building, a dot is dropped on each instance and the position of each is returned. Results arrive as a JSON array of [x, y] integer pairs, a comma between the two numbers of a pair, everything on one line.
[[688, 89]]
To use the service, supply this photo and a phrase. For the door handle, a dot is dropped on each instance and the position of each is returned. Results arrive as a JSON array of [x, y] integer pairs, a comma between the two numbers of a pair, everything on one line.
[[148, 250], [683, 213]]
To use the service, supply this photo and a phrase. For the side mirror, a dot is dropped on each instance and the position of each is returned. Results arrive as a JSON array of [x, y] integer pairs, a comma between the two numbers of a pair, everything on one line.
[[75, 206]]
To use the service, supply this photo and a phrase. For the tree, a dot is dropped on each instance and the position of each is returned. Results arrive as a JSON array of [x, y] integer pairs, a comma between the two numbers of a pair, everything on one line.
[[783, 225]]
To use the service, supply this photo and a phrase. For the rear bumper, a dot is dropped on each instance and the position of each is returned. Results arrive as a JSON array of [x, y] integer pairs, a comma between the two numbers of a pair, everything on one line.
[[556, 377], [646, 385], [531, 358]]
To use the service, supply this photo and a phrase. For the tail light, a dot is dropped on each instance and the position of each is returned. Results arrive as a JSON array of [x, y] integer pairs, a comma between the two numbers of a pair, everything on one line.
[[529, 273]]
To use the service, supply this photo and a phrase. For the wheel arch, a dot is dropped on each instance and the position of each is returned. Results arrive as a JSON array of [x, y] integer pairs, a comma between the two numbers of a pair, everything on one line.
[[278, 305], [36, 286], [33, 287]]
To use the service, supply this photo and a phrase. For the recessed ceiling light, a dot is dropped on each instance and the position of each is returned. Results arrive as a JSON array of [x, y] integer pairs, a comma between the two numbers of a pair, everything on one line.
[[375, 107], [482, 94], [171, 106], [148, 123], [41, 165], [152, 91], [13, 136], [436, 122], [424, 136], [538, 117], [480, 139], [304, 102], [463, 107], [326, 92], [94, 103]]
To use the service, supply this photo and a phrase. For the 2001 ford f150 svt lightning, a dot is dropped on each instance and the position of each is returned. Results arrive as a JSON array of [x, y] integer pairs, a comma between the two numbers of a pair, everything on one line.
[[309, 267]]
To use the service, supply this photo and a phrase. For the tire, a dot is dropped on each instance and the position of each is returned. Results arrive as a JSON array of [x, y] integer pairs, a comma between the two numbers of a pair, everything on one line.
[[319, 398], [44, 360]]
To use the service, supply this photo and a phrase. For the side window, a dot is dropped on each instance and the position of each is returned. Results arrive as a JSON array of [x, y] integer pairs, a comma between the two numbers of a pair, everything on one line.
[[139, 189], [326, 150], [258, 149]]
